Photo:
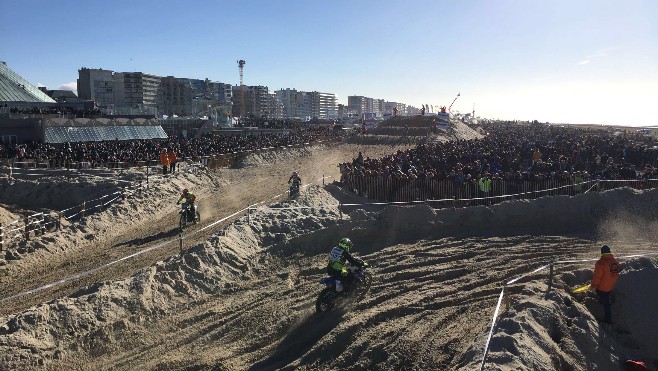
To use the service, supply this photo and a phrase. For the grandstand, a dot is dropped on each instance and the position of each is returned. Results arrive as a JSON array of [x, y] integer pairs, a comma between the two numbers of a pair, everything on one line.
[[28, 114]]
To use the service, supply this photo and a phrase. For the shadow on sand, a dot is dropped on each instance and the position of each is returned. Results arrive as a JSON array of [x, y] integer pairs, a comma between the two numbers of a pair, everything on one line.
[[300, 340], [149, 239]]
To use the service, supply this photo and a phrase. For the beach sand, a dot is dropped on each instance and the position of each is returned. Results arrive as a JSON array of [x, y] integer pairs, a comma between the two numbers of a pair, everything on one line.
[[241, 294]]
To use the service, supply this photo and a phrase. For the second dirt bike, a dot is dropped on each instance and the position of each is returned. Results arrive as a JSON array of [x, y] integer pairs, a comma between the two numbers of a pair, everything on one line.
[[186, 215], [294, 190], [356, 289]]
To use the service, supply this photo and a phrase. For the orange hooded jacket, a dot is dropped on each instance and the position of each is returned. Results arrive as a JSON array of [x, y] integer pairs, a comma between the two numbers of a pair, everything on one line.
[[164, 158], [606, 272]]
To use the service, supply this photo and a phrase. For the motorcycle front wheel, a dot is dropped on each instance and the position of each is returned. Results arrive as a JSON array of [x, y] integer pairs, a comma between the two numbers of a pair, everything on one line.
[[325, 301], [183, 221], [363, 288]]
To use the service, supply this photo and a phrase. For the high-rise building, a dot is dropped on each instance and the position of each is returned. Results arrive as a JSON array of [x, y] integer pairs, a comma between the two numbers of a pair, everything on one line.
[[176, 96], [292, 101], [257, 101], [390, 108], [358, 104], [96, 85], [301, 104], [274, 107], [323, 105], [137, 89], [193, 97]]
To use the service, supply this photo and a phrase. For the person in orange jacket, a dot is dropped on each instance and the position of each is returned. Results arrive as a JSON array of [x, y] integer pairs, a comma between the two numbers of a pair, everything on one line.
[[171, 155], [164, 161], [606, 273]]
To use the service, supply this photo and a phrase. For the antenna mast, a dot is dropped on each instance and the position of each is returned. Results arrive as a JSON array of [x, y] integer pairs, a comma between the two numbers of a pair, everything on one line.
[[241, 64]]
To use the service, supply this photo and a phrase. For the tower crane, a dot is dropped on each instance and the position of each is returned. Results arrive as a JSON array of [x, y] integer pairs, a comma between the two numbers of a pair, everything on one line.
[[241, 64]]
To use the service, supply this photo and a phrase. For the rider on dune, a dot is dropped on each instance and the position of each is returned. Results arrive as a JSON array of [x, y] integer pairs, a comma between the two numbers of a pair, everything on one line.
[[295, 179], [296, 182], [189, 198], [336, 267]]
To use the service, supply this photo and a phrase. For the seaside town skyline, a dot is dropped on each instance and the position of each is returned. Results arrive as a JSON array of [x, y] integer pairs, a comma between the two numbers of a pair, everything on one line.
[[558, 62]]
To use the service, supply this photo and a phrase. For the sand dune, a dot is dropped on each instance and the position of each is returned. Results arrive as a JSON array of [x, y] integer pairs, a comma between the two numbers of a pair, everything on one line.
[[241, 295]]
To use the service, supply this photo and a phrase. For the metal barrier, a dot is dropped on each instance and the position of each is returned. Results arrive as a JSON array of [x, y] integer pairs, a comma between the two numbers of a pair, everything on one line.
[[470, 193], [39, 223]]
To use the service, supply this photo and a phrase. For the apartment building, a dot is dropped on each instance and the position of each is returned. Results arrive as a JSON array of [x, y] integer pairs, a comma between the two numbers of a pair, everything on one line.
[[389, 108], [301, 104], [96, 85], [359, 104], [257, 101], [137, 89], [292, 102], [323, 105]]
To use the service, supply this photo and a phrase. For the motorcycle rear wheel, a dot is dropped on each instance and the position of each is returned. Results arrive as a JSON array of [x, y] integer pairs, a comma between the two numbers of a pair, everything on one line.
[[325, 301]]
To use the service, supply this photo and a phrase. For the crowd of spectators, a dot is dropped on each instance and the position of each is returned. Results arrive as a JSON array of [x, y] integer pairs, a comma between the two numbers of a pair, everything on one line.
[[511, 154], [133, 151], [269, 123], [55, 110]]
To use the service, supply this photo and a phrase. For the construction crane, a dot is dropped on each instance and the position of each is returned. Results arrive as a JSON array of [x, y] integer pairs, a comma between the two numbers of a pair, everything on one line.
[[241, 64], [453, 102]]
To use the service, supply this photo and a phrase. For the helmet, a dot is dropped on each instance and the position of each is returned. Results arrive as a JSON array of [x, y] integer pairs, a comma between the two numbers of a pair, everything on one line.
[[345, 244], [186, 191]]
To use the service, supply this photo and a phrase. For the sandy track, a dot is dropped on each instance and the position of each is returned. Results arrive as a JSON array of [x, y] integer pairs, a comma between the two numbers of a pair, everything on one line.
[[224, 192], [235, 302], [429, 302]]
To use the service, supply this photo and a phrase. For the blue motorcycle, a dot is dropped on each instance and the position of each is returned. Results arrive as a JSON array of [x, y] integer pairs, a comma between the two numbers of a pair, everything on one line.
[[356, 286]]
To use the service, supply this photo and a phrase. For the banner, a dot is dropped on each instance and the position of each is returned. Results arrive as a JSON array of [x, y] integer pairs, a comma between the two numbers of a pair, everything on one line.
[[443, 120]]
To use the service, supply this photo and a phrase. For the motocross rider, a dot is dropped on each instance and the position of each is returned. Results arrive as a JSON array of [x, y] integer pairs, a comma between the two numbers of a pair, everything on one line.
[[336, 263], [295, 179], [189, 198]]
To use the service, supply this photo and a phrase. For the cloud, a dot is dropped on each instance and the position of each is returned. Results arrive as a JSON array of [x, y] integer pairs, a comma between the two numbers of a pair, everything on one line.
[[72, 86], [602, 53]]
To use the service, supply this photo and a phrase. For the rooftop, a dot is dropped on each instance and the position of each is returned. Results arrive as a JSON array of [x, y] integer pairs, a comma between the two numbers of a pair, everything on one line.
[[14, 88]]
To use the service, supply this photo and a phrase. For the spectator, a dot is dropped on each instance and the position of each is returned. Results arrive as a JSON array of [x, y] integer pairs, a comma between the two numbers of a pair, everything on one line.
[[171, 156], [164, 161], [536, 156], [558, 153], [606, 272]]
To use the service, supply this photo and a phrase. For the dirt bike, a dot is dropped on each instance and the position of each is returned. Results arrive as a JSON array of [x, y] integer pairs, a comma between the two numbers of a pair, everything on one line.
[[294, 190], [355, 289], [186, 214]]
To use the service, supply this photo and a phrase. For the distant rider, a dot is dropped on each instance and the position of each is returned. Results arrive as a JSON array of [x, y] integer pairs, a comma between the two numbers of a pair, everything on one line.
[[336, 267], [295, 179], [189, 198]]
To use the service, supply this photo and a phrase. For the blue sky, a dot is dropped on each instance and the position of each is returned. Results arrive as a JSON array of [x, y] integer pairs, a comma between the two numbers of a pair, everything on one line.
[[584, 62]]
